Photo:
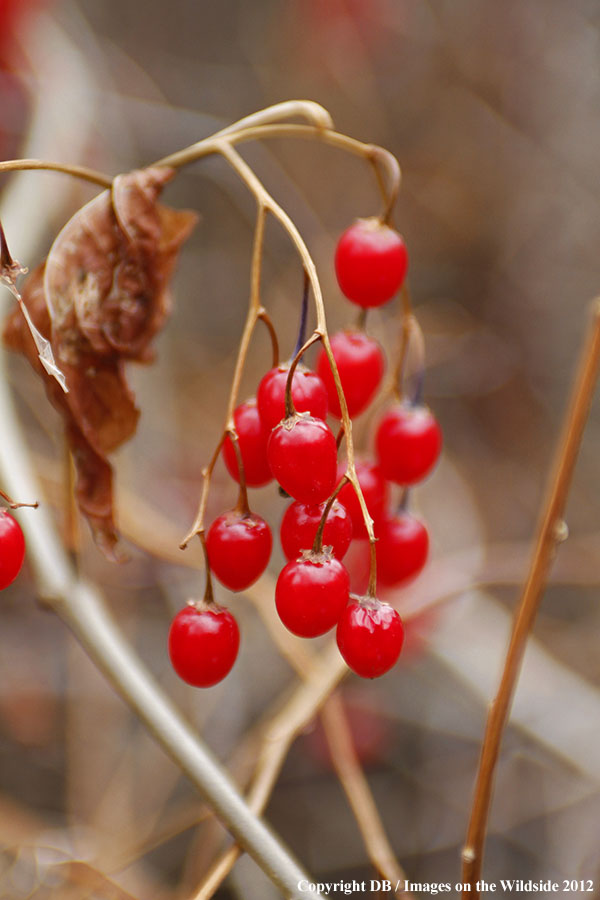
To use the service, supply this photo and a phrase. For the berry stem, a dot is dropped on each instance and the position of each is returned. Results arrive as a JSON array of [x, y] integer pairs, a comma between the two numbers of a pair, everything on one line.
[[264, 316], [380, 158], [550, 532], [303, 315], [385, 165], [317, 546], [209, 597], [255, 312], [242, 505], [411, 343], [12, 504], [361, 319], [82, 172], [290, 409]]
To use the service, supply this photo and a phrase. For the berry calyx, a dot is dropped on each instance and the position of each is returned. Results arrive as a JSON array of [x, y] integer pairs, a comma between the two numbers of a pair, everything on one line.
[[375, 491], [12, 549], [370, 635], [408, 443], [361, 364], [239, 548], [203, 644], [311, 594], [402, 548], [302, 454], [308, 394], [370, 262], [252, 439], [301, 521]]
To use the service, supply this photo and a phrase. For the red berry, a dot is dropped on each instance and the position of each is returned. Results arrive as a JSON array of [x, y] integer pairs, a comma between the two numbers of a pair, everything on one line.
[[302, 454], [239, 547], [301, 521], [408, 442], [308, 393], [375, 492], [369, 636], [311, 594], [402, 547], [253, 446], [360, 363], [203, 644], [12, 549], [370, 262]]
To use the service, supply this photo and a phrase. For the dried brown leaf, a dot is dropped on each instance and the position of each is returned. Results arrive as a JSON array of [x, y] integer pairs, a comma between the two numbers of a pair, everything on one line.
[[10, 270], [100, 298]]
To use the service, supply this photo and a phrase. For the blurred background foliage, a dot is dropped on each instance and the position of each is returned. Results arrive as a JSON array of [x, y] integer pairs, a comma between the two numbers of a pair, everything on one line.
[[492, 110]]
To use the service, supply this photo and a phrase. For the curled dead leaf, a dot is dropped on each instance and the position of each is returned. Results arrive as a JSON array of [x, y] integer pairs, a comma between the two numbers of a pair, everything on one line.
[[100, 298]]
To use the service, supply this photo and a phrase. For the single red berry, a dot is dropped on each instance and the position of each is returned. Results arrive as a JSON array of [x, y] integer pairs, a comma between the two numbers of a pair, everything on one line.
[[370, 636], [12, 549], [239, 548], [402, 548], [253, 438], [370, 262], [360, 362], [308, 393], [301, 521], [311, 594], [408, 442], [302, 454], [203, 644], [375, 492]]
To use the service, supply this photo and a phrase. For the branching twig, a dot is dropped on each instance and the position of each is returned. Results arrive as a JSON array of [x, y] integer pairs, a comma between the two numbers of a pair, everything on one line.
[[552, 530], [356, 786], [256, 312], [266, 202]]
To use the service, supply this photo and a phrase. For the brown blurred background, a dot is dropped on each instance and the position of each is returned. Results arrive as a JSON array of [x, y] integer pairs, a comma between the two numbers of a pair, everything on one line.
[[492, 111]]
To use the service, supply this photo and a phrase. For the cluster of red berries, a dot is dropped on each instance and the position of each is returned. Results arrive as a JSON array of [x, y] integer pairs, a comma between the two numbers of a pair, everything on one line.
[[293, 444], [12, 549]]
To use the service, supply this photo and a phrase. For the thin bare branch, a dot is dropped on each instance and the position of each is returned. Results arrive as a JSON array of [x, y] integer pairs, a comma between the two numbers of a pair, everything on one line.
[[552, 530]]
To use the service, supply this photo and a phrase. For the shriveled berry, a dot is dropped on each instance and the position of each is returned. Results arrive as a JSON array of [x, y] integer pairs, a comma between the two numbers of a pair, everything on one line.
[[301, 521], [302, 454], [408, 443], [253, 438], [375, 492], [12, 549], [370, 636], [361, 364], [370, 262], [311, 594], [402, 548], [203, 644], [239, 547], [308, 393]]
